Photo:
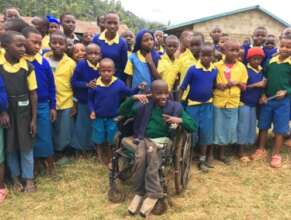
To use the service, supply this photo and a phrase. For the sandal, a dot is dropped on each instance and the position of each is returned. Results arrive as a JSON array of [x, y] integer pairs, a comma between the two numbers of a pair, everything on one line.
[[244, 159], [3, 194], [259, 154], [276, 161]]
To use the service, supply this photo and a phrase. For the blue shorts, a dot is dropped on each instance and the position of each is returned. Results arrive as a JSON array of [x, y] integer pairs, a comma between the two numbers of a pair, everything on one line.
[[225, 125], [247, 121], [104, 130], [276, 112], [203, 116]]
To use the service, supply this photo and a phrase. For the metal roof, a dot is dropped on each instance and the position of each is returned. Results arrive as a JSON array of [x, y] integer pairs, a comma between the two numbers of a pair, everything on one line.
[[208, 18]]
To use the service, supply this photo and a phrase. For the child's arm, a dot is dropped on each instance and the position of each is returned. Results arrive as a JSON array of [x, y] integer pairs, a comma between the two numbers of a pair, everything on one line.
[[52, 93], [152, 65], [4, 117], [127, 107], [91, 97], [33, 100], [123, 57], [75, 81], [186, 82]]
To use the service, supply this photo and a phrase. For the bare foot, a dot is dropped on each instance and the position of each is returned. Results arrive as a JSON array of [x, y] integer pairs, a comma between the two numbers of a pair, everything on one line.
[[17, 185], [288, 143], [30, 187]]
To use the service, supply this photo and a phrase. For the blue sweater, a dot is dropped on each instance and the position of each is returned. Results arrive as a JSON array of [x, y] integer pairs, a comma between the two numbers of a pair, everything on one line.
[[116, 52], [46, 90], [82, 75], [3, 96], [251, 96], [201, 83], [105, 100]]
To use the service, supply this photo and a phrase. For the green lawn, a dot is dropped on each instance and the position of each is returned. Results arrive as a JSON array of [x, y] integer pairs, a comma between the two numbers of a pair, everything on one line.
[[240, 191]]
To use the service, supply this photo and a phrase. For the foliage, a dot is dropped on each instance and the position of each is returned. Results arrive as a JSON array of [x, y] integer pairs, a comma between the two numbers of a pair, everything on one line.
[[82, 9]]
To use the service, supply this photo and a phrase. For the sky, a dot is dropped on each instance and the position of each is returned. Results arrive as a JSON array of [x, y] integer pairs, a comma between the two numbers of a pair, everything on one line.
[[178, 11]]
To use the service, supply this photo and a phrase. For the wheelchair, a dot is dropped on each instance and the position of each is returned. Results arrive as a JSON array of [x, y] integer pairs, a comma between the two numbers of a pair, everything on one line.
[[176, 157]]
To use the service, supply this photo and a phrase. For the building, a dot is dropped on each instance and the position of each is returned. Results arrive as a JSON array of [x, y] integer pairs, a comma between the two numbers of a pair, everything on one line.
[[239, 24]]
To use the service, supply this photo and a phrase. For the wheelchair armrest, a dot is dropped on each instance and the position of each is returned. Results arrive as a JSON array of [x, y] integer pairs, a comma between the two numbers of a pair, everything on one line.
[[122, 120], [118, 118]]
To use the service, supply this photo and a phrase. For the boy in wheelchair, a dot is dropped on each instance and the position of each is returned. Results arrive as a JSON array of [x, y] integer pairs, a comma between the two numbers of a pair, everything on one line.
[[152, 121]]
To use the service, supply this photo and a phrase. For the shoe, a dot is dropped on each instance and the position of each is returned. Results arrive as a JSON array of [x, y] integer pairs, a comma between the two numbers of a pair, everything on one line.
[[259, 154], [276, 161], [135, 204], [147, 206], [203, 167]]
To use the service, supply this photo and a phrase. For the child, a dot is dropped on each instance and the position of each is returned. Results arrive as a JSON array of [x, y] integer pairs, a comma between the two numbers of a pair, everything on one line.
[[54, 24], [249, 100], [276, 110], [201, 79], [195, 46], [152, 121], [11, 13], [215, 34], [101, 23], [269, 47], [231, 79], [159, 42], [42, 25], [219, 52], [84, 78], [112, 45], [20, 83], [103, 103], [63, 69], [87, 38], [78, 52], [168, 66], [129, 37], [3, 109], [68, 22], [142, 63], [46, 94]]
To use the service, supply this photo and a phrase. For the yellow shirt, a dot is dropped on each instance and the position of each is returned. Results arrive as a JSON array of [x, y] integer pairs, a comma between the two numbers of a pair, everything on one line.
[[115, 40], [129, 66], [185, 60], [100, 83], [14, 68], [229, 98], [63, 74], [168, 70], [45, 42]]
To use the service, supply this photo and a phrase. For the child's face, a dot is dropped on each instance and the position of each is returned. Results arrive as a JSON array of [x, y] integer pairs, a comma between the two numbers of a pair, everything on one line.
[[186, 40], [222, 41], [259, 37], [58, 44], [171, 46], [195, 45], [270, 43], [160, 95], [147, 42], [11, 14], [159, 37], [106, 71], [40, 25], [129, 37], [87, 37], [53, 27], [241, 55], [69, 23], [216, 34], [93, 54], [112, 23], [286, 32], [206, 56], [16, 48], [285, 48], [255, 61], [231, 51], [101, 22], [33, 43], [79, 51]]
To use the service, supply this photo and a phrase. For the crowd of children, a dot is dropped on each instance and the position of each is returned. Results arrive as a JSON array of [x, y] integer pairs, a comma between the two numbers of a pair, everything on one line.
[[60, 94]]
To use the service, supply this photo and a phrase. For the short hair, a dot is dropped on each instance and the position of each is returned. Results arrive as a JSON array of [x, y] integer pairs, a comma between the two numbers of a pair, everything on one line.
[[64, 15], [208, 44], [7, 37], [9, 8], [58, 33], [271, 35], [28, 30], [184, 32], [107, 60], [172, 37], [99, 17], [225, 35], [111, 12], [261, 28], [16, 24], [196, 33]]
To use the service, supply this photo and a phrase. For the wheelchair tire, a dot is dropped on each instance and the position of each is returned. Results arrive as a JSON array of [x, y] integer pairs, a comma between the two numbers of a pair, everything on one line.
[[182, 164], [115, 195]]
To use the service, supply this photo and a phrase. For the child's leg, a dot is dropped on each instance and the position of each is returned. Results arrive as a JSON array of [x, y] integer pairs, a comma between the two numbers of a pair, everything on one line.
[[27, 163], [202, 159], [13, 164], [98, 136], [279, 140], [50, 165]]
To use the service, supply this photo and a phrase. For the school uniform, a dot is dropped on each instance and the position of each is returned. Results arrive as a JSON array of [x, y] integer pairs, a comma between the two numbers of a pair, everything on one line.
[[247, 119], [168, 69], [275, 111], [104, 100], [199, 102], [83, 74], [63, 71], [226, 102], [115, 49], [19, 80], [3, 108], [161, 50], [46, 95]]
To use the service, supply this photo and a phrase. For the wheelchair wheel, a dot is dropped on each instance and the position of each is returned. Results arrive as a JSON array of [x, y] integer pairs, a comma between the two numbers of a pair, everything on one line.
[[183, 144]]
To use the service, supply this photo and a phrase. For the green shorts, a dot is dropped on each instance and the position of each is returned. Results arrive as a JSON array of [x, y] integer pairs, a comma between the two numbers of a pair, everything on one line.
[[2, 154]]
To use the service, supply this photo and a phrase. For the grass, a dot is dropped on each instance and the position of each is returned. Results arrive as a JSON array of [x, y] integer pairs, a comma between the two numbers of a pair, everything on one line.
[[239, 191]]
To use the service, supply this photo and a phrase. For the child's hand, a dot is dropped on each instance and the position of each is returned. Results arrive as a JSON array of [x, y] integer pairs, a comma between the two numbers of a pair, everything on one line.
[[92, 116], [142, 98], [92, 84], [263, 100], [242, 86], [261, 84], [4, 120], [149, 58], [281, 94], [221, 86], [73, 110], [53, 114], [171, 119], [233, 83], [142, 86], [33, 128]]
